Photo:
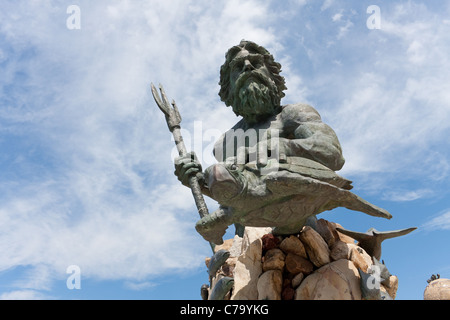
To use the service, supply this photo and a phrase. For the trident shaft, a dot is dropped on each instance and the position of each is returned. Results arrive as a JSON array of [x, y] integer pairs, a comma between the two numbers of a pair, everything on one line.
[[173, 120]]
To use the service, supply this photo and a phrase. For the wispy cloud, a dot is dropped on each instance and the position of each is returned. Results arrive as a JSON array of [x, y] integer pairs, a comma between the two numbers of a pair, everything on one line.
[[24, 295], [407, 195], [138, 286], [439, 222]]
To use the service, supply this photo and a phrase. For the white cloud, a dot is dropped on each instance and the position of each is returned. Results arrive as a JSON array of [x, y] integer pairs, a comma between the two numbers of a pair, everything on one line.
[[407, 195], [139, 286], [337, 17], [24, 295], [326, 4], [440, 222]]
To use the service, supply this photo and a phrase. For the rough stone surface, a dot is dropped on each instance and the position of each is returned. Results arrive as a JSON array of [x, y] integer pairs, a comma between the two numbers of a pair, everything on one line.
[[338, 280], [287, 267], [226, 245], [248, 265], [252, 234], [392, 288], [438, 289], [269, 241], [340, 250], [316, 247], [274, 260], [293, 245], [360, 257], [236, 247], [288, 293], [325, 229], [339, 235], [270, 285], [297, 280], [296, 264]]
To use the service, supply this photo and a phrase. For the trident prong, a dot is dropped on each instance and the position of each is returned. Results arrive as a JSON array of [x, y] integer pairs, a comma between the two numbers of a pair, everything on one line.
[[170, 110]]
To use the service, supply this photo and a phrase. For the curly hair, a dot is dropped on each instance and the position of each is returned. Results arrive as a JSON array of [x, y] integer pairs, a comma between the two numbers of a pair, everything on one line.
[[273, 67]]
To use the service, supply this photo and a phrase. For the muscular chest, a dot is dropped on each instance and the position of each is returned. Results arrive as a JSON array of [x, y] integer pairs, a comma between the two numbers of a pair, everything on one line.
[[240, 137]]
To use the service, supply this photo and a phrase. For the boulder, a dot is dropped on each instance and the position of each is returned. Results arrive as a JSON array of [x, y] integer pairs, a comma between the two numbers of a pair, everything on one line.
[[438, 289], [273, 260], [292, 244], [315, 245], [297, 280], [350, 251], [248, 265], [338, 280], [392, 287], [269, 241], [236, 247], [340, 250], [360, 257], [288, 293], [296, 264], [325, 229], [269, 285]]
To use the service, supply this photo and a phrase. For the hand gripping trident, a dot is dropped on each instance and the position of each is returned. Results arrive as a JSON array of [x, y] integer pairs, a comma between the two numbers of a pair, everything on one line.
[[173, 120]]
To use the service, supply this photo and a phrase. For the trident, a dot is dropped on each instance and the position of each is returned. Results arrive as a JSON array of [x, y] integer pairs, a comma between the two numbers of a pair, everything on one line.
[[173, 120]]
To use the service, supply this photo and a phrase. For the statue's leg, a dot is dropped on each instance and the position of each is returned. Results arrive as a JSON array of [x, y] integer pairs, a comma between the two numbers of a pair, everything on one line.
[[213, 226]]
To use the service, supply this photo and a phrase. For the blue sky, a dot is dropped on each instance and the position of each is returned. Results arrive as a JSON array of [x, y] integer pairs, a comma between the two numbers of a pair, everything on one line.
[[86, 172]]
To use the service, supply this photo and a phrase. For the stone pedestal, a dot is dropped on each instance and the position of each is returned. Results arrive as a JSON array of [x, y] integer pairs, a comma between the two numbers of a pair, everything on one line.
[[319, 263]]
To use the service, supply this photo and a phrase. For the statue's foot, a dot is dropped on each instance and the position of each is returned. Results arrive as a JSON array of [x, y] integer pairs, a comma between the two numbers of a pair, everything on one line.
[[213, 227]]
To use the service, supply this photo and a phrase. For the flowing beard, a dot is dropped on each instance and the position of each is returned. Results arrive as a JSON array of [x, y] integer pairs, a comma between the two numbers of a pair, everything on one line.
[[256, 100]]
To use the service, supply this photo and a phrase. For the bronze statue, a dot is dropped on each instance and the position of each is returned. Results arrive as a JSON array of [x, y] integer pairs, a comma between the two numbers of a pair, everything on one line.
[[276, 166]]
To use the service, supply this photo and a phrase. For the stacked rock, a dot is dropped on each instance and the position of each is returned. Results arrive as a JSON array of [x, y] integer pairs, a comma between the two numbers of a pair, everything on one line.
[[437, 289], [319, 263]]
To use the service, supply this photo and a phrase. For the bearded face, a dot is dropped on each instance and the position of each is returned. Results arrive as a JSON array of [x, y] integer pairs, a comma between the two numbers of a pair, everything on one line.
[[255, 96], [251, 84]]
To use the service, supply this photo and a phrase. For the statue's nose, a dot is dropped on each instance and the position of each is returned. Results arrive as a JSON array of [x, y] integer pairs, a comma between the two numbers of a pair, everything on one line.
[[248, 65]]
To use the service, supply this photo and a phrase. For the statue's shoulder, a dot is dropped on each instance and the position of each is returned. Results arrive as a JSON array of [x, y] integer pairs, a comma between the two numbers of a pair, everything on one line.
[[300, 112]]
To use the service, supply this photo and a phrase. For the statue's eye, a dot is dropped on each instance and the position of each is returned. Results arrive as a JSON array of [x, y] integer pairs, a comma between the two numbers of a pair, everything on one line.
[[233, 167]]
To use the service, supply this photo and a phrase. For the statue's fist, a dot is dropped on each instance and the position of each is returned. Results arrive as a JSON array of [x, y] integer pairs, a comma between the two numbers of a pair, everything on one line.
[[187, 166]]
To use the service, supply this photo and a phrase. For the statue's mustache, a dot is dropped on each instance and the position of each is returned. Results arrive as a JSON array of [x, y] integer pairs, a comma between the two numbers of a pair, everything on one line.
[[258, 76]]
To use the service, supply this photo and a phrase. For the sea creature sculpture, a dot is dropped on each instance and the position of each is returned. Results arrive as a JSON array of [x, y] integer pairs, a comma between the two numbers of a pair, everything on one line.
[[280, 195], [221, 288], [204, 292], [372, 239], [217, 260]]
